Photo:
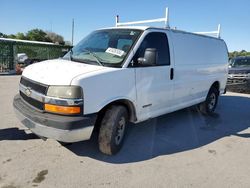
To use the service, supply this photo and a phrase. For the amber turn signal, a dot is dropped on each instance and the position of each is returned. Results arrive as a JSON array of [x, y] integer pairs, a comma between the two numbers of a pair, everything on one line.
[[62, 109]]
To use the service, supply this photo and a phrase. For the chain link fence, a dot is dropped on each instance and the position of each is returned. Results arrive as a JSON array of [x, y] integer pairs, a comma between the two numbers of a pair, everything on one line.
[[36, 51]]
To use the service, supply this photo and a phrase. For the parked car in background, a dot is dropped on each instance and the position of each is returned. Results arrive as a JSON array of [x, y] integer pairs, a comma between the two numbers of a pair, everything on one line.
[[23, 61], [239, 74]]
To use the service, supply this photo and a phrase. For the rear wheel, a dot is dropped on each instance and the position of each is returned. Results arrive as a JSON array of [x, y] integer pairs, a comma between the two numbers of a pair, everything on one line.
[[209, 105], [113, 129]]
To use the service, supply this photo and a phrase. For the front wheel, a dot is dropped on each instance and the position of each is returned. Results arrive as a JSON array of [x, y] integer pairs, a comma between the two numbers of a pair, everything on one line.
[[113, 129], [209, 105]]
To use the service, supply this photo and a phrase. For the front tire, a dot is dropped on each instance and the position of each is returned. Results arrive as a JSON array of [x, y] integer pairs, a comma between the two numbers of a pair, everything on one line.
[[209, 105], [113, 129]]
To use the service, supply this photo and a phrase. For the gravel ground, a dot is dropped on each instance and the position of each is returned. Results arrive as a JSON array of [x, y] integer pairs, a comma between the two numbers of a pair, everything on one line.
[[181, 149]]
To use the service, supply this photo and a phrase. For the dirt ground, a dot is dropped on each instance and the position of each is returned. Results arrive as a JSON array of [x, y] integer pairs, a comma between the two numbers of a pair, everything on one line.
[[181, 149]]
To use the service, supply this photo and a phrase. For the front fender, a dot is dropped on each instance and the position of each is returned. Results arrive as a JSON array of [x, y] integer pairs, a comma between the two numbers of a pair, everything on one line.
[[104, 87]]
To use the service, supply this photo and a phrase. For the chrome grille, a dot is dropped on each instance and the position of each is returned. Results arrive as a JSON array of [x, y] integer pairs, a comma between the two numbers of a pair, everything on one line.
[[40, 88]]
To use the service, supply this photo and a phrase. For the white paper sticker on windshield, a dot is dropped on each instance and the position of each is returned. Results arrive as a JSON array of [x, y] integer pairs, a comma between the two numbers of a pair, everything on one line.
[[132, 33], [115, 51]]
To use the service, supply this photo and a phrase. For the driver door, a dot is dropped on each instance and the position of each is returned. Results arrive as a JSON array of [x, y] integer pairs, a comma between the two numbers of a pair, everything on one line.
[[154, 84]]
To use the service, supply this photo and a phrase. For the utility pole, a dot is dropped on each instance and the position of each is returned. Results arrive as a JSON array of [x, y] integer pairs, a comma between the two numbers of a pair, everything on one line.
[[72, 39]]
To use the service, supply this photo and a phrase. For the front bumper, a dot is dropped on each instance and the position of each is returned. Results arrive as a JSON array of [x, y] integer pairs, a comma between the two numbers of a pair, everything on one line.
[[62, 128], [238, 83]]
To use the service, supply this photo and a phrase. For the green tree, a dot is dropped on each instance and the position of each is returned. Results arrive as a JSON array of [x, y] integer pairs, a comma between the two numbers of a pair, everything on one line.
[[21, 36], [37, 35], [55, 38], [3, 35], [238, 53], [12, 36]]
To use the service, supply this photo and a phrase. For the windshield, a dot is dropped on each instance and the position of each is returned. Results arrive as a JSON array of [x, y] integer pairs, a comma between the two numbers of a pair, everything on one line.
[[240, 62], [104, 47]]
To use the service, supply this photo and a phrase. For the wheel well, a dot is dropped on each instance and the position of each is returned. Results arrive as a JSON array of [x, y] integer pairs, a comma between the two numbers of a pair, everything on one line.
[[123, 102], [216, 85]]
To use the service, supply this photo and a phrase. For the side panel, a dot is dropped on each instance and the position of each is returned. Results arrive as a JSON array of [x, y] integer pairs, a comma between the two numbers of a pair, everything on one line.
[[199, 62]]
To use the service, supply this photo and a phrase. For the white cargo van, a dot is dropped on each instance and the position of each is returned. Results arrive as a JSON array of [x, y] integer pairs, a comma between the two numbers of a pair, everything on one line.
[[119, 75]]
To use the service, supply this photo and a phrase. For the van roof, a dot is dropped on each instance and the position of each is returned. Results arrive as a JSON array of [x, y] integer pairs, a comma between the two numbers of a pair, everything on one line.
[[143, 28]]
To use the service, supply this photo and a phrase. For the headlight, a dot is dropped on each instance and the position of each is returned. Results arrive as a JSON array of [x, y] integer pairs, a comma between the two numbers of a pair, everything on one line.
[[67, 92], [66, 100]]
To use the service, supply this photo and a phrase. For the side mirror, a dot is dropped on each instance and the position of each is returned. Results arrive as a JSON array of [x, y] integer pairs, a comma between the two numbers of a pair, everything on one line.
[[150, 57]]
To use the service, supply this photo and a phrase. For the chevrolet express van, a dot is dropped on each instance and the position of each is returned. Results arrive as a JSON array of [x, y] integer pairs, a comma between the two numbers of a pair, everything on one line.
[[119, 75]]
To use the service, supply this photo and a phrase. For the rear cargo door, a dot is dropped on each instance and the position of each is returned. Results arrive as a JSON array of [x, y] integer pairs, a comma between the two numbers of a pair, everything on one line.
[[154, 84]]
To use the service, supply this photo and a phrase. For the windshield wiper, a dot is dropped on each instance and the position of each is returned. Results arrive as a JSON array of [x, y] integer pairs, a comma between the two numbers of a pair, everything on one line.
[[95, 56]]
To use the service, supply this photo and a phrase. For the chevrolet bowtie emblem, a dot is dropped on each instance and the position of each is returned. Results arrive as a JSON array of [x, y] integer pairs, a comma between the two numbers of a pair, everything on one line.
[[28, 92]]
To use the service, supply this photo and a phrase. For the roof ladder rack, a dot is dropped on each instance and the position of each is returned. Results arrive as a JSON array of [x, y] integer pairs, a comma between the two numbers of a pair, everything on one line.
[[216, 33], [165, 19]]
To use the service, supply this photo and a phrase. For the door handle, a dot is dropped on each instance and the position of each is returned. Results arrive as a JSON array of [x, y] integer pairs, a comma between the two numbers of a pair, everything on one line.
[[171, 73]]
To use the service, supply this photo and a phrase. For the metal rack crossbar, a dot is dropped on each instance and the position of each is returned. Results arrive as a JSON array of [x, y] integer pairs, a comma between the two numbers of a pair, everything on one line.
[[216, 33], [165, 19]]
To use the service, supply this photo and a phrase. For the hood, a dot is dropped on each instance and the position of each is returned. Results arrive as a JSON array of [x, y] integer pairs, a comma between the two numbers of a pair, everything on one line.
[[58, 71], [239, 70]]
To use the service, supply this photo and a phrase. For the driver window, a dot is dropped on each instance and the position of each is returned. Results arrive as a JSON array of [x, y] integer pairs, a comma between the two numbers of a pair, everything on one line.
[[155, 40]]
